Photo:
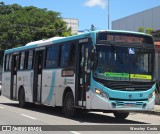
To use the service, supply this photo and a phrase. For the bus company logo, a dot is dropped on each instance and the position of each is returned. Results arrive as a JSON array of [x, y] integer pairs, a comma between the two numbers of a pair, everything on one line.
[[65, 81], [68, 81], [141, 95], [130, 96]]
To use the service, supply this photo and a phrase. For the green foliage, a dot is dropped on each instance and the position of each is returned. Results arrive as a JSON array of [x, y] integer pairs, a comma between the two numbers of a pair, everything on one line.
[[20, 25], [149, 30], [141, 29]]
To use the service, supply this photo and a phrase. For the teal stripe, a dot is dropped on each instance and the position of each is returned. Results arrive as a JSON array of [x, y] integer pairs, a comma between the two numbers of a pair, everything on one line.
[[20, 48], [49, 98]]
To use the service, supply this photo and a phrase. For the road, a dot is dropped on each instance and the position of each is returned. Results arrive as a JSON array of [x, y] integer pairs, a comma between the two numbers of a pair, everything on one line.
[[11, 114]]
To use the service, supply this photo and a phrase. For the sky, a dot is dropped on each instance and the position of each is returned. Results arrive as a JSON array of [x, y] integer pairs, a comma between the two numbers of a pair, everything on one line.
[[90, 12]]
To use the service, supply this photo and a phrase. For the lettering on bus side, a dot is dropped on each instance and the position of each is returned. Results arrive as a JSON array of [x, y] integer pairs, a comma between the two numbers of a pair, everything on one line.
[[83, 40], [15, 53], [40, 48], [68, 81]]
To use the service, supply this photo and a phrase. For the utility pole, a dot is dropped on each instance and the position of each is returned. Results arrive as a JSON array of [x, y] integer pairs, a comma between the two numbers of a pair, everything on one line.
[[108, 16]]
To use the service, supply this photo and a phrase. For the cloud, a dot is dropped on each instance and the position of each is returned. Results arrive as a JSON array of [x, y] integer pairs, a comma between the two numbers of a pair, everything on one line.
[[93, 3]]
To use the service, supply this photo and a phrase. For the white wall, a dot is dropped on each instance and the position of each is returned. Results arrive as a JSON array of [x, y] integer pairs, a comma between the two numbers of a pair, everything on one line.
[[148, 19]]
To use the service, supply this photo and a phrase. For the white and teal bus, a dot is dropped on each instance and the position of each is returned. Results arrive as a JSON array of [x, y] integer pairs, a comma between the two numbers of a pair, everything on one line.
[[108, 71]]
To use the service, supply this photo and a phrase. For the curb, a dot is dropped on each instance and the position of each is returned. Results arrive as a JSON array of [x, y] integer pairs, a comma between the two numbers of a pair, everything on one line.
[[150, 112]]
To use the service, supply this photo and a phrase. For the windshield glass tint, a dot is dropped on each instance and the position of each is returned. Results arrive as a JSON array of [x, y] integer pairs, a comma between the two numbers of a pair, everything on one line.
[[123, 63]]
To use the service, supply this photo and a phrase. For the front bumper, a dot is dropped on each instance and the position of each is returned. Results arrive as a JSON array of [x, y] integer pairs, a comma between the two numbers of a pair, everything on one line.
[[98, 102]]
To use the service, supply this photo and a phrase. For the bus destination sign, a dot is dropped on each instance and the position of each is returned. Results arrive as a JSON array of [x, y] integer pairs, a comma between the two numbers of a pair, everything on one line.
[[128, 38]]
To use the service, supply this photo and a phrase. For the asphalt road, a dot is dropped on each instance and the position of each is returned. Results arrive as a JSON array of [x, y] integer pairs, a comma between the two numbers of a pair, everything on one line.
[[11, 114]]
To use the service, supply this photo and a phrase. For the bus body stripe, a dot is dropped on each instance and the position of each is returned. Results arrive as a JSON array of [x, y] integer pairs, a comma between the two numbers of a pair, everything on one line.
[[49, 98]]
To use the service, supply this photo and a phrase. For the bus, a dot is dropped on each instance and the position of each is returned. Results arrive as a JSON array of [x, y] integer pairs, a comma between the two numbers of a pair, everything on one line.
[[106, 71]]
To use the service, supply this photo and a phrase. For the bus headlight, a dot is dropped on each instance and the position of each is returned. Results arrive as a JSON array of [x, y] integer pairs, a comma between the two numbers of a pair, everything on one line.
[[97, 91], [101, 93], [151, 96]]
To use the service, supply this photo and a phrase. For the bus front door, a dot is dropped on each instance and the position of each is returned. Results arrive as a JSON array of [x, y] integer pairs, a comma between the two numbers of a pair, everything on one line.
[[15, 60], [37, 83], [84, 74]]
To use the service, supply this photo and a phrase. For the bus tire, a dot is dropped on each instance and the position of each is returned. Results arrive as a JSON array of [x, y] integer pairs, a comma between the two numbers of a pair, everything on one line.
[[68, 105], [21, 98], [121, 115]]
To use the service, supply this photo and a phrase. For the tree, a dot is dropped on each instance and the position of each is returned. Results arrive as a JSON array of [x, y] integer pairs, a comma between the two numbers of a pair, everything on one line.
[[20, 25], [149, 30], [141, 29]]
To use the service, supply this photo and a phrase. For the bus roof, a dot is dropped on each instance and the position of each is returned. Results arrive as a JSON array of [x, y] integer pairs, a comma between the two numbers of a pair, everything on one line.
[[49, 41], [55, 40], [44, 41], [123, 31]]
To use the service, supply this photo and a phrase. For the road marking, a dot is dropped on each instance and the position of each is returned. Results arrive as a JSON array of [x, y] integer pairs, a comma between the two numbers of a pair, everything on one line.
[[1, 107], [74, 132], [28, 116]]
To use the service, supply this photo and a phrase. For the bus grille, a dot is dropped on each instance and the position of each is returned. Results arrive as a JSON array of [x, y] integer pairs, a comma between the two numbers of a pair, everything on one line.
[[129, 86]]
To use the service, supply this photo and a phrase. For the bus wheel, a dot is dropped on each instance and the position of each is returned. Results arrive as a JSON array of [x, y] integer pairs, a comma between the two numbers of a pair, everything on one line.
[[121, 115], [21, 98], [68, 105]]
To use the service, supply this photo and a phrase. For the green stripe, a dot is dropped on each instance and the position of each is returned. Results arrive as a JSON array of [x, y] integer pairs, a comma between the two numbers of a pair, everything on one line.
[[119, 75]]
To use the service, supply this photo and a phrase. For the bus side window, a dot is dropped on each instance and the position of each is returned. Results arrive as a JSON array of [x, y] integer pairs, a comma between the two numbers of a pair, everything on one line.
[[52, 56], [30, 59], [10, 63], [67, 55], [22, 65], [72, 55], [26, 60], [6, 62]]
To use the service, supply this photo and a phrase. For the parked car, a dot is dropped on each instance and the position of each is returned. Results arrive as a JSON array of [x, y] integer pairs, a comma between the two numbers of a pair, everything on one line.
[[0, 88]]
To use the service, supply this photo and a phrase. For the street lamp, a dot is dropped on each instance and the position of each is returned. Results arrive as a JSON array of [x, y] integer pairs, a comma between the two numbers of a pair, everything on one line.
[[108, 15]]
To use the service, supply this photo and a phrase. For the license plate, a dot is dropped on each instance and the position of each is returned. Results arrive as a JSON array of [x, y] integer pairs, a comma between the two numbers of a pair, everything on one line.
[[129, 104]]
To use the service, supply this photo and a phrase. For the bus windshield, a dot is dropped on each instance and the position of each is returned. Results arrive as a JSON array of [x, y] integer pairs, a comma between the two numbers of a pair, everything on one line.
[[123, 63]]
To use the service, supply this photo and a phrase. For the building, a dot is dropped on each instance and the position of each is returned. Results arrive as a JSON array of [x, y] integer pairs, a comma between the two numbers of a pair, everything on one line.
[[148, 19], [156, 35], [73, 24]]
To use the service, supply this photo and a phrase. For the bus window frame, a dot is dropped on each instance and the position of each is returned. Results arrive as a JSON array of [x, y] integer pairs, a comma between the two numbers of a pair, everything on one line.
[[20, 56], [45, 59], [7, 57], [33, 50], [68, 66]]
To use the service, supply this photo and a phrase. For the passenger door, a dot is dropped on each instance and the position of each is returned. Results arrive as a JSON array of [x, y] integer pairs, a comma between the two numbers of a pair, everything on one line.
[[83, 71], [37, 83], [14, 68]]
